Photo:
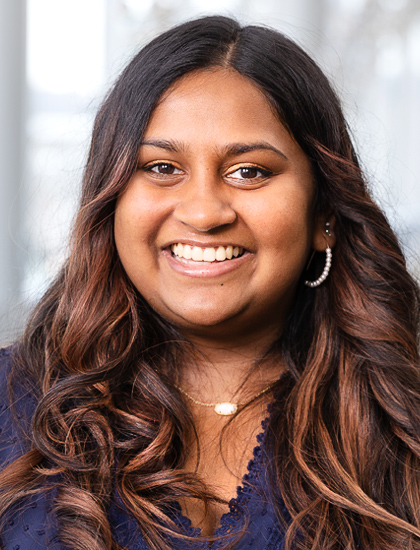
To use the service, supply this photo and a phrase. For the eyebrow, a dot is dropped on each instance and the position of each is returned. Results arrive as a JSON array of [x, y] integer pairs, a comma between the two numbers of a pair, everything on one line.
[[171, 146], [240, 148], [230, 150]]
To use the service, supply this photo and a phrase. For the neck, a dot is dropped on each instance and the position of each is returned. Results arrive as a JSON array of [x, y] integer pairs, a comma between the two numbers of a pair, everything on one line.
[[221, 371]]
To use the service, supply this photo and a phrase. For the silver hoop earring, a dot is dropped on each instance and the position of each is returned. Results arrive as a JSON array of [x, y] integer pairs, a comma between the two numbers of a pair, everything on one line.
[[325, 272]]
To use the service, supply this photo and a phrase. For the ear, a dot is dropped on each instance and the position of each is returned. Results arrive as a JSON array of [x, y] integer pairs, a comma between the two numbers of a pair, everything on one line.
[[324, 233]]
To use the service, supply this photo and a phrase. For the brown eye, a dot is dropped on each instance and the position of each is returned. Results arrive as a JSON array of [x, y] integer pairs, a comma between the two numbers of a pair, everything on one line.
[[249, 172], [163, 169]]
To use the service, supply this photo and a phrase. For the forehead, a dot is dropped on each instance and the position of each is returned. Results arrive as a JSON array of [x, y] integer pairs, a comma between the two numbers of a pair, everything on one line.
[[217, 103], [225, 86]]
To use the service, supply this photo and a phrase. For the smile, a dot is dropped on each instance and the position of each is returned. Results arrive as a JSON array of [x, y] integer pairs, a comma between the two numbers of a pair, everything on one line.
[[208, 254]]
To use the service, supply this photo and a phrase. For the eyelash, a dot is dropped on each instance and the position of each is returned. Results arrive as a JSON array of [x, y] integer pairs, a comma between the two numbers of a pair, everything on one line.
[[263, 173], [149, 168]]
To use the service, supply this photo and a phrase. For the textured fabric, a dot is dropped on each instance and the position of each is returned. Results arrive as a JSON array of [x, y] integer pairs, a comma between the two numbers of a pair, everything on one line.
[[34, 526]]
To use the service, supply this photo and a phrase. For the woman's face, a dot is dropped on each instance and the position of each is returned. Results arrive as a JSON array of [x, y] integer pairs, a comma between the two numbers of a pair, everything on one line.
[[216, 225]]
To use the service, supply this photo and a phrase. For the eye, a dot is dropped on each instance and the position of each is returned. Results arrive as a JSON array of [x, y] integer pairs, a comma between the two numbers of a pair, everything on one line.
[[162, 169], [249, 173]]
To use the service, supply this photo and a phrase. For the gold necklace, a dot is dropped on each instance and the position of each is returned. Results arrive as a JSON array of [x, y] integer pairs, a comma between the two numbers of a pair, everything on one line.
[[224, 408]]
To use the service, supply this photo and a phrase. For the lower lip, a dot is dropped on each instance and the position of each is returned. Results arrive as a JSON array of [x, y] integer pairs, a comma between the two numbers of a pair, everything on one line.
[[205, 269]]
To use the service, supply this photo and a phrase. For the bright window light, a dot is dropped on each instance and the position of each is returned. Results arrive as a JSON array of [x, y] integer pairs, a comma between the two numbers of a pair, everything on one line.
[[66, 45]]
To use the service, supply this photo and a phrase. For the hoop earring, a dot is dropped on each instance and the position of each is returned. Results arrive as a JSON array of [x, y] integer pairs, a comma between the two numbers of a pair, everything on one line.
[[325, 272]]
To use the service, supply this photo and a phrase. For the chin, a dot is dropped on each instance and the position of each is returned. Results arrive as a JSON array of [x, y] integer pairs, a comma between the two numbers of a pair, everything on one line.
[[202, 320]]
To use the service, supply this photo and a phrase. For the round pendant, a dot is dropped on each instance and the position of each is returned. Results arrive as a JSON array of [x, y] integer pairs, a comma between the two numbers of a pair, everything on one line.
[[225, 409]]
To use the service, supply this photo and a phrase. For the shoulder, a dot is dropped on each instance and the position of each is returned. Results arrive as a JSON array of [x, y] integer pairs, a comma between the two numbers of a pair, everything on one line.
[[15, 413], [5, 370], [26, 528], [5, 365]]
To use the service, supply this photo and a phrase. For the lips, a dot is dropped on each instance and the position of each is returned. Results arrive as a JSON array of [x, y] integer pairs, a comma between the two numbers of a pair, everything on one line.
[[206, 254]]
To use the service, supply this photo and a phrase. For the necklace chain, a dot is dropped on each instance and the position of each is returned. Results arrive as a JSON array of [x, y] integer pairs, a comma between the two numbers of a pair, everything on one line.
[[223, 408]]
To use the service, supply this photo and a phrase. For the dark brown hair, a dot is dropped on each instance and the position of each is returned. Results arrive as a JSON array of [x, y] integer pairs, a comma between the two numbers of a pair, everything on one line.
[[345, 434]]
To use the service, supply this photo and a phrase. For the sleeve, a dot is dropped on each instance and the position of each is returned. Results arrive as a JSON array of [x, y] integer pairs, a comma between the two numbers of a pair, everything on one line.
[[29, 526], [14, 421]]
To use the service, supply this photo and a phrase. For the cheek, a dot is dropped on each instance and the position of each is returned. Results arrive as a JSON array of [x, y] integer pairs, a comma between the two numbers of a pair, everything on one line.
[[284, 233], [135, 226], [137, 219], [127, 228], [284, 223]]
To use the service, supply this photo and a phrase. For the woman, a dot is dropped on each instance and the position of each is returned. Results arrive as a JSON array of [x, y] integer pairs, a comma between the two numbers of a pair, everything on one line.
[[227, 267]]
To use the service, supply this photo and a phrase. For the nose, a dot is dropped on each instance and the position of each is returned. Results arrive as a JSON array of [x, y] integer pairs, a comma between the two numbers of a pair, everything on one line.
[[205, 207]]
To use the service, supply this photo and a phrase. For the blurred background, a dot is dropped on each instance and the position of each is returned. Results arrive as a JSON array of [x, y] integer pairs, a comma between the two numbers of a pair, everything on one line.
[[58, 58]]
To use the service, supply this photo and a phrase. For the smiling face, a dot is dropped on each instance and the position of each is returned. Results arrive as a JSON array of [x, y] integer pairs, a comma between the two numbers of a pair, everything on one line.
[[216, 226]]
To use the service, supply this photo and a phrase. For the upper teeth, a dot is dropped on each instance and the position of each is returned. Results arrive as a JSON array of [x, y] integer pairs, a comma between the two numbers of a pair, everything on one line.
[[211, 254]]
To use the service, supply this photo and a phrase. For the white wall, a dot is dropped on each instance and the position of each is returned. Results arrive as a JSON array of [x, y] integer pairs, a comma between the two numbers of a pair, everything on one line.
[[12, 113]]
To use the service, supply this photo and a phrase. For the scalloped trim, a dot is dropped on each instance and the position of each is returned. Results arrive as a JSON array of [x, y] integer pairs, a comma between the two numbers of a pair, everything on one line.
[[237, 505]]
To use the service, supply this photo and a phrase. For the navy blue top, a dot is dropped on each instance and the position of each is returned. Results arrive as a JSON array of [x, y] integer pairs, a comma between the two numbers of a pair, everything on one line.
[[34, 526]]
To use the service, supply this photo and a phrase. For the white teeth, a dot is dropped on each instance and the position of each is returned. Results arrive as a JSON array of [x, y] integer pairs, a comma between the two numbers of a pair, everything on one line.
[[220, 254], [186, 252], [209, 254], [197, 254]]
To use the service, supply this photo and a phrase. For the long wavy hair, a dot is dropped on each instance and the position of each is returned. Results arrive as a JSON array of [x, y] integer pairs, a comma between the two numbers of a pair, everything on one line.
[[102, 365]]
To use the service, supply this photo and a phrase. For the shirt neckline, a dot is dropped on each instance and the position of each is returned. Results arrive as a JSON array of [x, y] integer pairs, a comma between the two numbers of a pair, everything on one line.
[[234, 518]]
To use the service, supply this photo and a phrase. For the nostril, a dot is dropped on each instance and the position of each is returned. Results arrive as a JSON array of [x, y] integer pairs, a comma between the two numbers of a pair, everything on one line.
[[205, 214]]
